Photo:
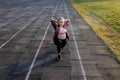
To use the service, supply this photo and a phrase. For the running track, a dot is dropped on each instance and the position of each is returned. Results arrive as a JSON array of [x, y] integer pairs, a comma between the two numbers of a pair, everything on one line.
[[27, 51]]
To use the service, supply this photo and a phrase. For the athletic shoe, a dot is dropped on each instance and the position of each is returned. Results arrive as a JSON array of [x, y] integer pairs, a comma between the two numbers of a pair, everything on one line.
[[59, 57]]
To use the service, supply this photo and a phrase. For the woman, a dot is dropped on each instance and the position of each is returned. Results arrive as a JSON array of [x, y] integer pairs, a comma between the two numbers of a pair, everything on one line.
[[60, 34]]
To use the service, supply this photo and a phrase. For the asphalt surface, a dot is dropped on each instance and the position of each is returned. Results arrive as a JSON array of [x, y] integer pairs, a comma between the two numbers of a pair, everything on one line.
[[27, 51]]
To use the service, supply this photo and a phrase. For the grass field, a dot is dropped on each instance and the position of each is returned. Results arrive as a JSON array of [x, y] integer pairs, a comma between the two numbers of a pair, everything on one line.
[[104, 18]]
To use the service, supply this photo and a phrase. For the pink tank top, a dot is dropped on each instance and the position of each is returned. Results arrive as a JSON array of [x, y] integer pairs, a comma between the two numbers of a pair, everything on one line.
[[62, 33]]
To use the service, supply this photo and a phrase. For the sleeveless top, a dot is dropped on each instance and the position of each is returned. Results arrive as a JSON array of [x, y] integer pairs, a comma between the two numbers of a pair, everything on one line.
[[62, 33]]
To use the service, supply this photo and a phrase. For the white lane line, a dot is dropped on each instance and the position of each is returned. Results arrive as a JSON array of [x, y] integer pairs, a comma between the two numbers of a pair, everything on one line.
[[78, 53], [22, 28], [20, 15], [33, 62], [16, 18]]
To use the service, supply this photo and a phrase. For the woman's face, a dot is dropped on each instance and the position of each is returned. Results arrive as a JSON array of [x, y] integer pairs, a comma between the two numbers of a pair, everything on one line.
[[61, 22]]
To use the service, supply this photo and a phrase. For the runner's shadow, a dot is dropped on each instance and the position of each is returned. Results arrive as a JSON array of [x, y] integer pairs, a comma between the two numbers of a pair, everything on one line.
[[50, 62], [22, 68], [52, 50]]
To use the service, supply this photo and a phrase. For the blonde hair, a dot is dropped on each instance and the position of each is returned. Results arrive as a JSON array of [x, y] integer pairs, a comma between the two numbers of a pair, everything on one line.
[[61, 18]]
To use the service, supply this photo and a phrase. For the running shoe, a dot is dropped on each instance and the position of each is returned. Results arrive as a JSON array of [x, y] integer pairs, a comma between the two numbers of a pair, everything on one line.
[[59, 57]]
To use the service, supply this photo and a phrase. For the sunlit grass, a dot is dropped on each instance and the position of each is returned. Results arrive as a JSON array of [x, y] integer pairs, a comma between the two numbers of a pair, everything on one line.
[[104, 18]]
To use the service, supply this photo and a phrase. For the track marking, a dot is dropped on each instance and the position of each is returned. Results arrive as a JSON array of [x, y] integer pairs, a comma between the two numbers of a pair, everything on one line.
[[22, 29], [33, 62], [78, 53], [20, 15], [16, 18]]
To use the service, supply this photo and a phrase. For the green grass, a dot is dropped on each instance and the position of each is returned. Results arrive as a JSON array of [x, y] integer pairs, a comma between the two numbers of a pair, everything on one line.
[[104, 18]]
